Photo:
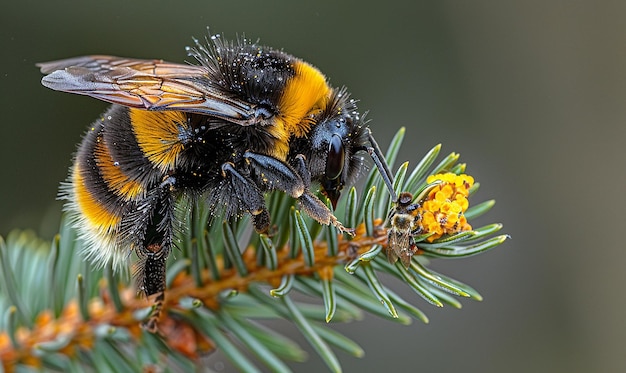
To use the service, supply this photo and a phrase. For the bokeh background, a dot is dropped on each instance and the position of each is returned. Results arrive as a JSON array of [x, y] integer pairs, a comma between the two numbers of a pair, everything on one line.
[[531, 93]]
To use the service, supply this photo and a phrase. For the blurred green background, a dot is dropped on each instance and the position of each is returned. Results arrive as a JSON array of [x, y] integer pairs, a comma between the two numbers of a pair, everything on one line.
[[532, 94]]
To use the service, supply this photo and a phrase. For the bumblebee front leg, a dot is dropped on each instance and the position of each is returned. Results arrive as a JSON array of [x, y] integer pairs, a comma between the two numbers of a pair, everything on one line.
[[278, 175], [311, 204]]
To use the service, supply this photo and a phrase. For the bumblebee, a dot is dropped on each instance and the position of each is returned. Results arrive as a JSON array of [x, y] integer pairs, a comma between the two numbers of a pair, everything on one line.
[[245, 120], [403, 223]]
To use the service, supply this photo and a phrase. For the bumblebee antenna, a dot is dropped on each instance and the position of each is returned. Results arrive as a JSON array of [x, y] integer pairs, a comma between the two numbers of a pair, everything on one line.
[[377, 155]]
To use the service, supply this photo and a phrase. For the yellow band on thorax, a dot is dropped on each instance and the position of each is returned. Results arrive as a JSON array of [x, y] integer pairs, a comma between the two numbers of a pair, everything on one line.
[[158, 135], [303, 95]]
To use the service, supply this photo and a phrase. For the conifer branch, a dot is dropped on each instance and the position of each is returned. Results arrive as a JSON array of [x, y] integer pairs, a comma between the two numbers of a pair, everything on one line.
[[60, 314]]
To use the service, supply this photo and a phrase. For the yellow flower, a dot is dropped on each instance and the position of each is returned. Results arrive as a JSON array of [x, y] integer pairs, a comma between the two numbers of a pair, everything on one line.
[[442, 209]]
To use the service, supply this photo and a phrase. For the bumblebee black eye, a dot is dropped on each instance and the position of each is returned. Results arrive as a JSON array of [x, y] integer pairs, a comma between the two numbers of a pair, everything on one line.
[[335, 159]]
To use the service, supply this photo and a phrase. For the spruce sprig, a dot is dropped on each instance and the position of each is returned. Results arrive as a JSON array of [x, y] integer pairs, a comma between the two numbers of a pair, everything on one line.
[[60, 314]]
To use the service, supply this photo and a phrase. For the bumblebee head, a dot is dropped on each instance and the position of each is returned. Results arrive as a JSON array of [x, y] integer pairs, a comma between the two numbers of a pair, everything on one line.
[[338, 135]]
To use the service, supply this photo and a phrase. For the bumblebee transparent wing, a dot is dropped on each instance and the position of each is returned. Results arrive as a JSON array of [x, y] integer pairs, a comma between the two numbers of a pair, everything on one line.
[[147, 84]]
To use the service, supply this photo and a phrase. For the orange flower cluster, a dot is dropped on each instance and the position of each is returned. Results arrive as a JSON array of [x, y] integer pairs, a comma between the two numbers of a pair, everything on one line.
[[442, 209]]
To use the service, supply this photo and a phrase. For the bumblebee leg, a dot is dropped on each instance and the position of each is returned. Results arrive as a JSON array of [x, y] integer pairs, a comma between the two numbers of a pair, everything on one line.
[[152, 281], [276, 174], [261, 222], [301, 169], [250, 196], [311, 204], [154, 223], [281, 176]]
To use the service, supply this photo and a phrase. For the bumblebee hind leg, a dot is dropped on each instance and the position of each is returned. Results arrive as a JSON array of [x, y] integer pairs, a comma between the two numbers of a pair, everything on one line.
[[151, 224], [151, 278]]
